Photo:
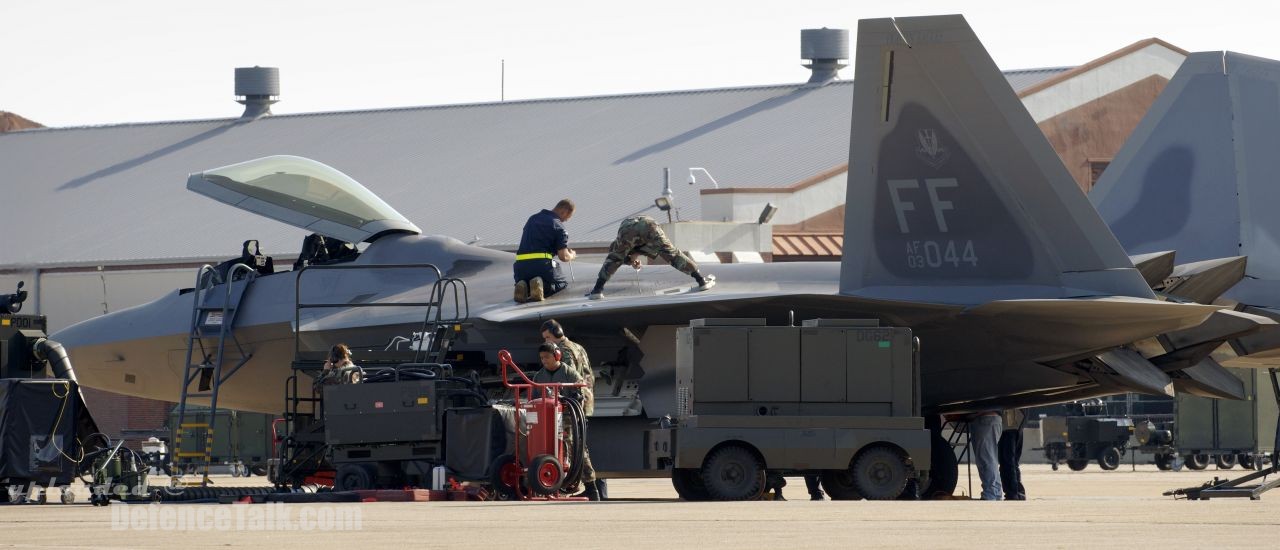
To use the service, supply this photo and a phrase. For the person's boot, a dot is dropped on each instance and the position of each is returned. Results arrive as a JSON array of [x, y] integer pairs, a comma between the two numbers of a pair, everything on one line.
[[591, 492], [597, 292], [522, 292], [537, 291], [602, 489], [706, 282], [817, 495]]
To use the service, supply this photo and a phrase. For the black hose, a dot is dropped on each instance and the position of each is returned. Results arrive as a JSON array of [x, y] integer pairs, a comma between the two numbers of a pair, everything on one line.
[[578, 430], [51, 351]]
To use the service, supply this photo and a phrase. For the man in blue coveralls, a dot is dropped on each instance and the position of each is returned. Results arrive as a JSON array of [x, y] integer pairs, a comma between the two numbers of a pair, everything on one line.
[[544, 241]]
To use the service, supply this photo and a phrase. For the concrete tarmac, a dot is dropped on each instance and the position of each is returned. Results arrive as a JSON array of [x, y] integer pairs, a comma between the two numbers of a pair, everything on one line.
[[1066, 509]]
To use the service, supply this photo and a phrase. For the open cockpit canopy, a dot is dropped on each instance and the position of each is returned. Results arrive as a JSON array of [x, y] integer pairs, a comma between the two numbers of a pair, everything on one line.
[[303, 193]]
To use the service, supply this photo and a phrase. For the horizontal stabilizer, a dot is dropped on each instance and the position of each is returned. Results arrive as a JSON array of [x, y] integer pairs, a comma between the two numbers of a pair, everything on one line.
[[1204, 281], [1130, 371], [954, 194], [1208, 379], [1259, 349], [1154, 267]]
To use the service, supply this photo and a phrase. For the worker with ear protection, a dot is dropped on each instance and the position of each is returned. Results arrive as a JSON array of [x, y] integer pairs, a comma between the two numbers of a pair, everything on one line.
[[555, 372], [575, 357]]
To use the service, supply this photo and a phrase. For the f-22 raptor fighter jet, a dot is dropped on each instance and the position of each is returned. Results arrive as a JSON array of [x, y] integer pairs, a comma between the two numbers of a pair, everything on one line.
[[961, 224]]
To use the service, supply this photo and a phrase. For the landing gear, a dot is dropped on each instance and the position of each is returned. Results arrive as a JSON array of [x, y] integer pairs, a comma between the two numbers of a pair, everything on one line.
[[689, 485], [839, 485], [944, 472]]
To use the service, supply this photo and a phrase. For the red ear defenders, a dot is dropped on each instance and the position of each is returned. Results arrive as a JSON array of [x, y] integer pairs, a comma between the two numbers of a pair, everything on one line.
[[557, 352]]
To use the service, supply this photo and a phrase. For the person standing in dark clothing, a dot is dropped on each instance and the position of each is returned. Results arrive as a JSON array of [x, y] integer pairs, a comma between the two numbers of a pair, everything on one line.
[[813, 482], [1010, 454], [537, 275]]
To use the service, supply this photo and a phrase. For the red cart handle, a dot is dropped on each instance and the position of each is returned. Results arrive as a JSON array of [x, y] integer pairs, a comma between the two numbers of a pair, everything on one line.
[[504, 357]]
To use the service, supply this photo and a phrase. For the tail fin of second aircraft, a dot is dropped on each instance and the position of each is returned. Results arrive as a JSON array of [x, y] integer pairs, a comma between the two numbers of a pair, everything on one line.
[[1198, 174], [954, 194]]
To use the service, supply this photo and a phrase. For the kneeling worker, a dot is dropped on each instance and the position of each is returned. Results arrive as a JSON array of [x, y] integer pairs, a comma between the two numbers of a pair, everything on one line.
[[544, 240], [555, 372], [641, 235]]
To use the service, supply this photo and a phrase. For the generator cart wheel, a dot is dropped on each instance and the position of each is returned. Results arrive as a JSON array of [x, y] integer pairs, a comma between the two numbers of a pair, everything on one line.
[[1245, 460], [1225, 461], [545, 475], [1197, 462], [1164, 462], [1109, 458], [733, 473], [688, 484], [68, 497], [839, 485], [353, 477], [880, 473], [505, 476], [1077, 464]]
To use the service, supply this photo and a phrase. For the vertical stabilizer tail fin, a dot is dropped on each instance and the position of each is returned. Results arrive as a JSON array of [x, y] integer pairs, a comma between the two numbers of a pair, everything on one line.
[[955, 196], [1197, 174]]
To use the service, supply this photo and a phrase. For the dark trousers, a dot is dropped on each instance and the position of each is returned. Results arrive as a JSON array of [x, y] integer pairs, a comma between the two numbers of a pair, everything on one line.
[[1010, 453], [552, 279], [813, 482]]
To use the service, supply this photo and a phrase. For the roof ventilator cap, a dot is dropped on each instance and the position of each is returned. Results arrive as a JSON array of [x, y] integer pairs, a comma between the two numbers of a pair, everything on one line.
[[257, 88], [825, 49]]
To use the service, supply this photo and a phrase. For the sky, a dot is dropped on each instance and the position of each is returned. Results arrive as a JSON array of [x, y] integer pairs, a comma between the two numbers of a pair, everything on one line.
[[90, 62]]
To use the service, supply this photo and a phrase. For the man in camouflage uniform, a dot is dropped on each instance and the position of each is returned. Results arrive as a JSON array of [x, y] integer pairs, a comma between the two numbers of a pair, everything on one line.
[[575, 357], [641, 235]]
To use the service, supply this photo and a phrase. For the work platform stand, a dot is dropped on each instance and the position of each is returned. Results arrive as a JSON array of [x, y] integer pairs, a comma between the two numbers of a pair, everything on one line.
[[301, 449], [1241, 487]]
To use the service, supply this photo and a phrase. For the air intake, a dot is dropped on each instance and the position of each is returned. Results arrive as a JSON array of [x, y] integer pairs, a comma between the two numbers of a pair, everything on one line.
[[257, 88], [825, 49]]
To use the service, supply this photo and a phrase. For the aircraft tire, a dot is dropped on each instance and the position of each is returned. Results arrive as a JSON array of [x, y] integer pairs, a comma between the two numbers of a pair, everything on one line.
[[733, 473], [944, 473], [688, 484], [839, 485]]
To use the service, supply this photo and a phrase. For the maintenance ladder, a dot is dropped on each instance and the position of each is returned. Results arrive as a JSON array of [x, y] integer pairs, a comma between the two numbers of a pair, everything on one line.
[[213, 316]]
